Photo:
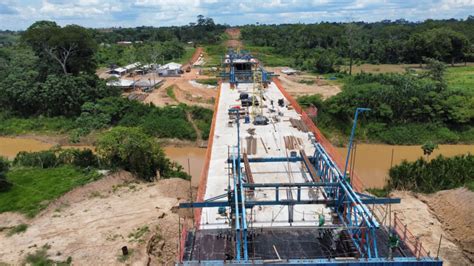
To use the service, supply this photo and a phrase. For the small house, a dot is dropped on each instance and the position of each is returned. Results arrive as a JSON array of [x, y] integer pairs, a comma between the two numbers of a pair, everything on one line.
[[120, 71], [170, 70], [124, 84]]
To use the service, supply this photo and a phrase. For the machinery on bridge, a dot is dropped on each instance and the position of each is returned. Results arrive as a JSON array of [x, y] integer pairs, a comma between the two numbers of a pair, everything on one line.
[[241, 66]]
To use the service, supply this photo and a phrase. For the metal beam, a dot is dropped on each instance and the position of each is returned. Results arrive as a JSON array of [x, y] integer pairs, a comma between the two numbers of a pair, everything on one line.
[[274, 159], [248, 171], [309, 184], [310, 167], [250, 204]]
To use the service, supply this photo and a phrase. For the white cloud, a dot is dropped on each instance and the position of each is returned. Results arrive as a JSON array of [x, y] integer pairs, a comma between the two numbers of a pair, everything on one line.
[[126, 13]]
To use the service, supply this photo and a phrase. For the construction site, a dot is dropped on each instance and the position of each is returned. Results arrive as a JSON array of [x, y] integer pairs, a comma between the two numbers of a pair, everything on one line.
[[274, 190]]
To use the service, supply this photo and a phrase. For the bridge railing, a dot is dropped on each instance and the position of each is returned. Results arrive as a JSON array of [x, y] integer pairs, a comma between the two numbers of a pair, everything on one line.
[[330, 149], [412, 242], [207, 160], [182, 242]]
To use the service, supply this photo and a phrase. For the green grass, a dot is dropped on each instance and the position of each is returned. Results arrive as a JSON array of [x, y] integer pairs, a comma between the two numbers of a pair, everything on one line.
[[268, 56], [214, 54], [17, 229], [33, 188], [42, 125], [123, 258], [170, 92], [138, 233], [212, 82], [306, 81], [188, 54], [470, 185], [379, 192], [41, 258], [460, 78]]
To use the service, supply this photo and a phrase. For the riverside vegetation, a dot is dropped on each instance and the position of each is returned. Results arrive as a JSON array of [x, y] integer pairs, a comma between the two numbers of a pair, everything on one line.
[[405, 108]]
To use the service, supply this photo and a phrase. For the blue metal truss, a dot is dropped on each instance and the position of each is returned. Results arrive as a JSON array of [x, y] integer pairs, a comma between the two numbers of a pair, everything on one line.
[[233, 56], [407, 261], [349, 205], [350, 208]]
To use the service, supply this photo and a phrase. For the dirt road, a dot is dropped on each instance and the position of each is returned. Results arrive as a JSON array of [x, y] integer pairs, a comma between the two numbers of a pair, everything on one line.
[[295, 88], [185, 91], [91, 224], [234, 38]]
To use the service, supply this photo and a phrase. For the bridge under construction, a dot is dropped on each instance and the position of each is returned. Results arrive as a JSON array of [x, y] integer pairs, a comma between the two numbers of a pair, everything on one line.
[[274, 190]]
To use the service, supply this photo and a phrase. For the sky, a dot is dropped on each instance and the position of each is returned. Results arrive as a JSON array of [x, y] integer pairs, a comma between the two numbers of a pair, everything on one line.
[[19, 14]]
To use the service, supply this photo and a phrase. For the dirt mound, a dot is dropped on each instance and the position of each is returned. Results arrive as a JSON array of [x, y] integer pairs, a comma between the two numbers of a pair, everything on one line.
[[174, 188], [414, 212], [455, 209], [92, 223]]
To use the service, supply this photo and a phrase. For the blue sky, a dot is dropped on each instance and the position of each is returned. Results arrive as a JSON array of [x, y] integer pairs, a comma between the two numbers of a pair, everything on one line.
[[19, 14]]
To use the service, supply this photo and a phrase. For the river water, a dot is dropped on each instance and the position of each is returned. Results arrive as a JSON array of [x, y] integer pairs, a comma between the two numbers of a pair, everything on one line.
[[372, 161], [196, 157], [371, 164]]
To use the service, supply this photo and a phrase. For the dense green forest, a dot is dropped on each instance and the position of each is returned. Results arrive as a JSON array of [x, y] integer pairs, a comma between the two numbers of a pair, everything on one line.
[[321, 47], [41, 89], [146, 53], [203, 31]]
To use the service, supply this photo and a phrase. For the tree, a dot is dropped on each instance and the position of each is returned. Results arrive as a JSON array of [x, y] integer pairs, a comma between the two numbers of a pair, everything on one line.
[[428, 148], [353, 32], [417, 48], [324, 63], [72, 47], [436, 69], [447, 45], [134, 151], [65, 95], [4, 167]]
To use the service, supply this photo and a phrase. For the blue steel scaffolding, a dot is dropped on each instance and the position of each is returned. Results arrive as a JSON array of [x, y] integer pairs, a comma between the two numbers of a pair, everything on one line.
[[349, 206], [238, 67]]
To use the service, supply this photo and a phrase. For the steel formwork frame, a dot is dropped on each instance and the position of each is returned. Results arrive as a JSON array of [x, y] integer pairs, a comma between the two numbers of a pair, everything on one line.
[[357, 219], [359, 222], [233, 73]]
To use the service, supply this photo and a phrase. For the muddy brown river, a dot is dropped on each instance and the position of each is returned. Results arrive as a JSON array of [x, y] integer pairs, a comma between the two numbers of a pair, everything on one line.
[[372, 160]]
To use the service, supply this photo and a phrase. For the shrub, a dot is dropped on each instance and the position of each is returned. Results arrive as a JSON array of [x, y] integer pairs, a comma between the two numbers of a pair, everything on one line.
[[134, 151], [308, 100], [165, 122], [17, 229], [437, 174], [211, 82], [41, 159], [55, 157], [4, 167]]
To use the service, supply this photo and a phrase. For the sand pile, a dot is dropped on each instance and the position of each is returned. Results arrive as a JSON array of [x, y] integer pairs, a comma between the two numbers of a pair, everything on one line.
[[455, 210], [91, 224]]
